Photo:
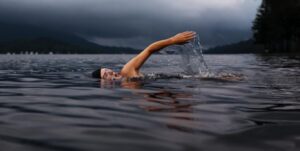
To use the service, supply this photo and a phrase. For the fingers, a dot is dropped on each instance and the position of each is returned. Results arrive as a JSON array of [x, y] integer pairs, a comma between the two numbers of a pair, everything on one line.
[[189, 34], [184, 37]]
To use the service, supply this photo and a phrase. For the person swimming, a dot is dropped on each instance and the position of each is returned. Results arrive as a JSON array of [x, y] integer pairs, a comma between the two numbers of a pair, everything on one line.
[[132, 68]]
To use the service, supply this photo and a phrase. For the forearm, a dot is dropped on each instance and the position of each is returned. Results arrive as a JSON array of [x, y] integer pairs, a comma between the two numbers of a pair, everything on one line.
[[133, 66], [157, 46], [147, 52]]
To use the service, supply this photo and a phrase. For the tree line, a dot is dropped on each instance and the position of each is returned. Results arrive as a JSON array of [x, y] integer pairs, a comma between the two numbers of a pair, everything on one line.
[[277, 26]]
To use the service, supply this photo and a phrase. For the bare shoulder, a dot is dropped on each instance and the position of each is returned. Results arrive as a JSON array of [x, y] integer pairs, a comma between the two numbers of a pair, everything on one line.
[[129, 72]]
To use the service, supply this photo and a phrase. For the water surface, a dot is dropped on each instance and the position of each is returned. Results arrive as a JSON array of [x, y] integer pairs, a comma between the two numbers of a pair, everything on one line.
[[50, 102]]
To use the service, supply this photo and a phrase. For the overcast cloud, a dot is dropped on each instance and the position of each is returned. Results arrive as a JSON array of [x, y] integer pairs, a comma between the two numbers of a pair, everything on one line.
[[136, 23]]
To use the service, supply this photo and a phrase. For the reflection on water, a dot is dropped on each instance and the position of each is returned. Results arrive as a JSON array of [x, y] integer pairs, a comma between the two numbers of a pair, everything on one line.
[[50, 102]]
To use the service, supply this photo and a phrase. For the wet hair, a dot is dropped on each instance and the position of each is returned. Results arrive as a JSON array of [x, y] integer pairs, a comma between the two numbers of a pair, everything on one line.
[[97, 73]]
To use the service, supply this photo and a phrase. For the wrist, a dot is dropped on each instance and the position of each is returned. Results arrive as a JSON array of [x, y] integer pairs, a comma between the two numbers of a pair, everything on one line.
[[170, 41]]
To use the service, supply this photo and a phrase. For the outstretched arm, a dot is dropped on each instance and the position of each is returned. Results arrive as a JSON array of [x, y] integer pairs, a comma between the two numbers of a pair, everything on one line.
[[131, 69]]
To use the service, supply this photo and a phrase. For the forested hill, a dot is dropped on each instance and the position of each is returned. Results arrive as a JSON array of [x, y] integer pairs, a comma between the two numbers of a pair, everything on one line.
[[277, 25], [276, 29], [25, 38], [247, 46]]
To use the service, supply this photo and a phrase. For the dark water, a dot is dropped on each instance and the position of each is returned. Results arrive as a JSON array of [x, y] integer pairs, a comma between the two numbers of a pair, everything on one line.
[[50, 103]]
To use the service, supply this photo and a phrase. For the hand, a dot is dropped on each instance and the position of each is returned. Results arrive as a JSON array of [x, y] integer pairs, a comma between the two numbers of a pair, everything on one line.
[[183, 37]]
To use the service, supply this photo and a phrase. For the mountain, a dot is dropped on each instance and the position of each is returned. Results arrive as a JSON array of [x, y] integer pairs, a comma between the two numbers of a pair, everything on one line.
[[242, 47], [20, 38]]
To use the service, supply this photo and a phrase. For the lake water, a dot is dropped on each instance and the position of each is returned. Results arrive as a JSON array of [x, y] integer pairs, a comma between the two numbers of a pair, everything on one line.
[[50, 102]]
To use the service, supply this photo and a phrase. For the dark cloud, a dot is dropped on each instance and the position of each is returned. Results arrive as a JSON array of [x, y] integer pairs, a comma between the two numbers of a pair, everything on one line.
[[136, 22]]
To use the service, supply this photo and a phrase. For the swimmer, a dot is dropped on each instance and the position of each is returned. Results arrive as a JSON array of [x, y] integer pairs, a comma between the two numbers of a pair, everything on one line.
[[132, 68]]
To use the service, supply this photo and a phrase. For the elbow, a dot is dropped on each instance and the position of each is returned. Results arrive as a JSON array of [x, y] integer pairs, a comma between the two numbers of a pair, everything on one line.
[[152, 48]]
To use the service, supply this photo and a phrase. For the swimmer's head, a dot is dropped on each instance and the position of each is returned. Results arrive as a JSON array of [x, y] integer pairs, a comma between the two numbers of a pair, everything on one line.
[[109, 74]]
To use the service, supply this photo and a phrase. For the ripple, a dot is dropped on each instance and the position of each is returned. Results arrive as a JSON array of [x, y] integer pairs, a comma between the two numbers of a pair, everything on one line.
[[52, 103]]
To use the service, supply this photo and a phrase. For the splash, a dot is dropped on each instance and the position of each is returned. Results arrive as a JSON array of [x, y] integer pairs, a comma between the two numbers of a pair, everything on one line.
[[195, 66], [193, 61]]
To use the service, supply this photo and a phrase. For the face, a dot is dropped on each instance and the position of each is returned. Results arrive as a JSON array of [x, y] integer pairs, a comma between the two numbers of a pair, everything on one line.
[[108, 74]]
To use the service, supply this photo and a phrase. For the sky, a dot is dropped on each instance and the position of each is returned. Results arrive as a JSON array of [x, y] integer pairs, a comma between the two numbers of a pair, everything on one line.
[[137, 23]]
